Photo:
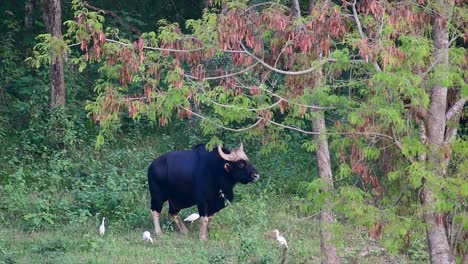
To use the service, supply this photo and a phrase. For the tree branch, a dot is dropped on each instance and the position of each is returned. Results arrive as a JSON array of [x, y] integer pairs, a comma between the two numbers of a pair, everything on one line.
[[287, 100], [361, 33], [113, 15], [421, 112], [358, 22], [237, 107], [311, 69], [155, 48], [223, 76], [455, 109], [452, 115], [265, 3], [379, 33], [221, 126], [436, 61], [331, 133]]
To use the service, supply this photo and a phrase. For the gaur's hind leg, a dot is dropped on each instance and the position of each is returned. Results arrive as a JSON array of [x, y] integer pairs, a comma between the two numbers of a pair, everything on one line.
[[157, 200], [174, 214]]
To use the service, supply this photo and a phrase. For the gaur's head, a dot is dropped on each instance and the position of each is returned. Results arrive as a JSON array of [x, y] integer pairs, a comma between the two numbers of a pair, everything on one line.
[[238, 165]]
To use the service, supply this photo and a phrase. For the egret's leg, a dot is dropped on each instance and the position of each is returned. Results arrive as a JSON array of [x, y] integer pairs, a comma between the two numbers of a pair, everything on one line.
[[157, 227]]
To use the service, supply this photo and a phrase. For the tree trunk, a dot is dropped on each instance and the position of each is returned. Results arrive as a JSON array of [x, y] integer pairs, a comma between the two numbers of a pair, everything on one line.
[[327, 218], [311, 5], [465, 257], [296, 9], [28, 10], [435, 122], [53, 17]]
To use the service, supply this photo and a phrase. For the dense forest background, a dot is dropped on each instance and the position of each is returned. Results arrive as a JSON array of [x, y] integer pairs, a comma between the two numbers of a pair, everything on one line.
[[352, 111]]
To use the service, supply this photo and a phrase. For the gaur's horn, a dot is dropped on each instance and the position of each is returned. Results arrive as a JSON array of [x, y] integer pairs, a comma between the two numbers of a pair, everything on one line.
[[227, 157]]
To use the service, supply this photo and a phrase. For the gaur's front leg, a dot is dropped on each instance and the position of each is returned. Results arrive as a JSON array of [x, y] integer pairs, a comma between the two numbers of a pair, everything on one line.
[[157, 226], [204, 227]]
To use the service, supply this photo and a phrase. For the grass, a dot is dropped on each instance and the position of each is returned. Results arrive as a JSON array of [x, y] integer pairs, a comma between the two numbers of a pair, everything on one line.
[[237, 235], [244, 242], [113, 182]]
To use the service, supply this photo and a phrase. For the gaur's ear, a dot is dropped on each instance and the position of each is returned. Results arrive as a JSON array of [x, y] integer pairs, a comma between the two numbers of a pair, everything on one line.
[[227, 167]]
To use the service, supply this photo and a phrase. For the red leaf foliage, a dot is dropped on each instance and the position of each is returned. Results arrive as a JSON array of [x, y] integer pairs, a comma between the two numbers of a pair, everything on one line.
[[359, 166]]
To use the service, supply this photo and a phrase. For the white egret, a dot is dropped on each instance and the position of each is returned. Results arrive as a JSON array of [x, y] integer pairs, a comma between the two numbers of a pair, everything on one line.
[[102, 228], [192, 218], [147, 237], [280, 238]]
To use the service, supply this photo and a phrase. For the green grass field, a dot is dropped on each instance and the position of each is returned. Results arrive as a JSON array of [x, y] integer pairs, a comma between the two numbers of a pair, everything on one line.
[[59, 221], [237, 235]]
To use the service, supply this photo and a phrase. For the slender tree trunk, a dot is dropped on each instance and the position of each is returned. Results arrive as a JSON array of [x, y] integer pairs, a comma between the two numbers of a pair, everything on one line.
[[435, 123], [327, 218], [465, 257], [28, 10], [311, 5], [296, 8], [53, 18], [206, 3]]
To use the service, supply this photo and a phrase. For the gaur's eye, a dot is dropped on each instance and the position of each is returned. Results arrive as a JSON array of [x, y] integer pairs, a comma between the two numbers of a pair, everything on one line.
[[241, 164]]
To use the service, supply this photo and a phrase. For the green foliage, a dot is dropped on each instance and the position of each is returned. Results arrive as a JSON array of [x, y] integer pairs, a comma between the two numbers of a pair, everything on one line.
[[412, 147], [48, 49], [417, 50], [51, 175], [204, 28]]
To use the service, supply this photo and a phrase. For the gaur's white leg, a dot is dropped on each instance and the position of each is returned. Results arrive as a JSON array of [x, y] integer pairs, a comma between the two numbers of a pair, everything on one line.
[[179, 223], [204, 222], [157, 227]]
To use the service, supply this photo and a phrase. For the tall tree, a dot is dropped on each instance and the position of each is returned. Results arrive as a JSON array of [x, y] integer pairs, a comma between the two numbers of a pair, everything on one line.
[[436, 120], [256, 64], [53, 19], [327, 217], [424, 81]]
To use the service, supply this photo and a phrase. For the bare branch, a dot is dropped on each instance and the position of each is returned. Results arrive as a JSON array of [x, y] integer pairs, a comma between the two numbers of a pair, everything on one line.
[[400, 146], [223, 76], [361, 33], [221, 126], [379, 33], [356, 19], [452, 115], [311, 69], [331, 133], [242, 108], [436, 61], [455, 109], [265, 3], [155, 48], [287, 100], [422, 112], [74, 44], [455, 36], [235, 106]]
